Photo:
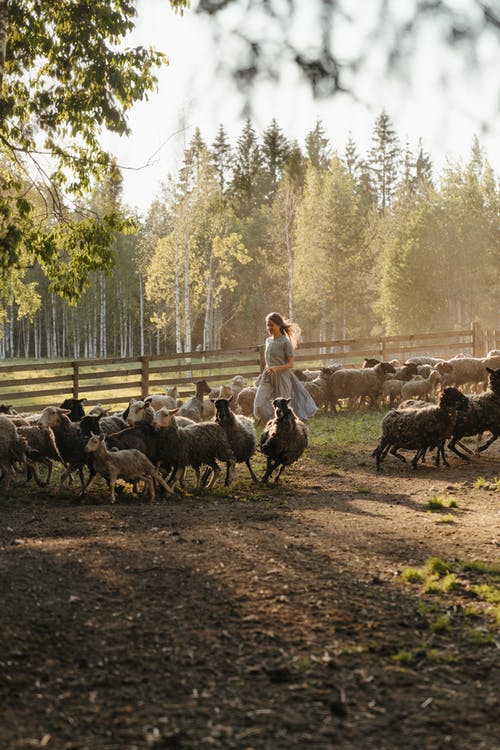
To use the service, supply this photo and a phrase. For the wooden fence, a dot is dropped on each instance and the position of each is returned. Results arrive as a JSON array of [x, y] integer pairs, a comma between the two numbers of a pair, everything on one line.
[[115, 381]]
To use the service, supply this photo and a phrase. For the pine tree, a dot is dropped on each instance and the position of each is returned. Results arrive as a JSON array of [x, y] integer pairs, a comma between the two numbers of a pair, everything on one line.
[[246, 185], [275, 150], [222, 159], [318, 147], [384, 160]]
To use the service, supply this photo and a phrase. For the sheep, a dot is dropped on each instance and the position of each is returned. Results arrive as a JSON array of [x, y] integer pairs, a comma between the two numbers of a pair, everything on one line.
[[70, 442], [194, 407], [194, 445], [168, 399], [42, 450], [319, 387], [74, 407], [482, 414], [221, 391], [245, 400], [130, 465], [283, 440], [240, 432], [357, 383], [466, 371], [391, 389], [141, 411], [420, 429], [420, 387], [424, 360], [13, 449]]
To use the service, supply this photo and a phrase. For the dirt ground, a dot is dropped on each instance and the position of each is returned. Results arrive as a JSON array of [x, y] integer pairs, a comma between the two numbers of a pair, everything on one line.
[[266, 618]]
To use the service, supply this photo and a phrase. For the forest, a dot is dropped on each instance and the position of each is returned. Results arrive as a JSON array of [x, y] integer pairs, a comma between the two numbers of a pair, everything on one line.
[[346, 243]]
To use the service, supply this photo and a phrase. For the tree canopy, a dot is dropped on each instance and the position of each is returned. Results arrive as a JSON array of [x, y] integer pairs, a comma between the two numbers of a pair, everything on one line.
[[66, 75]]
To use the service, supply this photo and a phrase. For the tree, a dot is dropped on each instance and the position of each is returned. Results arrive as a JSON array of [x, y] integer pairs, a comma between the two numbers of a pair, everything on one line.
[[246, 185], [384, 159], [318, 147], [275, 150], [65, 75], [390, 40], [222, 159]]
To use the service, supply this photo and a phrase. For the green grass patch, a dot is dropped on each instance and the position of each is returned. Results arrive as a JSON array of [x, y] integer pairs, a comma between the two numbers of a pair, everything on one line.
[[480, 483], [447, 518], [438, 502]]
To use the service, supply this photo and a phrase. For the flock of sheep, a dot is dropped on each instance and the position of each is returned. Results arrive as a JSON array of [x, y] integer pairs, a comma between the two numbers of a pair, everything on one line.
[[154, 441], [145, 446]]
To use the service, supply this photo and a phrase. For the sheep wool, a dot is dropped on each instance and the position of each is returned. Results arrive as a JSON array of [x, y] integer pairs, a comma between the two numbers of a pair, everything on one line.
[[283, 440]]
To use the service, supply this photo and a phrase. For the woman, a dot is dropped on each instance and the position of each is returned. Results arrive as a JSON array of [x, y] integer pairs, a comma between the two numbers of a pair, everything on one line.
[[278, 380]]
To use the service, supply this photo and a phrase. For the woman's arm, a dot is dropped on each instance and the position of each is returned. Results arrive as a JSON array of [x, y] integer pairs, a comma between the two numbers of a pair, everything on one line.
[[280, 368]]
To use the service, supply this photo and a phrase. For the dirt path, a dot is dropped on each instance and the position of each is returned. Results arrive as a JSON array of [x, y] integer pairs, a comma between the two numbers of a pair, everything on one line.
[[256, 618]]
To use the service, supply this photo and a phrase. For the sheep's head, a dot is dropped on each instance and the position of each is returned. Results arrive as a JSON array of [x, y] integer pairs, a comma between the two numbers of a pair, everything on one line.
[[282, 410], [494, 380], [452, 398], [53, 416], [165, 417], [222, 408], [140, 411], [93, 443]]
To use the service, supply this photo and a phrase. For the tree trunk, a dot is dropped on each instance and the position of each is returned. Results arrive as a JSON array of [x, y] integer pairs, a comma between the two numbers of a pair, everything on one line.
[[4, 22]]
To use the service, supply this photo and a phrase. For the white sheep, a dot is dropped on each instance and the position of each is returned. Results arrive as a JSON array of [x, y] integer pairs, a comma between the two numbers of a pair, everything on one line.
[[420, 387], [128, 464]]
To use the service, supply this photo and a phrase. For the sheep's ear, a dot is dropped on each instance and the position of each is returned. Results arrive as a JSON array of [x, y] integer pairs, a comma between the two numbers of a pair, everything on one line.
[[101, 437], [230, 399], [488, 369], [65, 411], [173, 411], [288, 400]]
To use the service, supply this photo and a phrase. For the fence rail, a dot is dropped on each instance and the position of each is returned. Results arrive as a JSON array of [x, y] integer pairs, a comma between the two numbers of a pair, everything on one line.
[[115, 381]]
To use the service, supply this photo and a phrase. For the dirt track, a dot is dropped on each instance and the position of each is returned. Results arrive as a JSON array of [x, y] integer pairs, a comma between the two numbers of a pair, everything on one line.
[[254, 618]]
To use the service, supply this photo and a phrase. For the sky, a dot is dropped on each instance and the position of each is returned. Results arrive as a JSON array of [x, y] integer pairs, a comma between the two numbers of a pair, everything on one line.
[[440, 99]]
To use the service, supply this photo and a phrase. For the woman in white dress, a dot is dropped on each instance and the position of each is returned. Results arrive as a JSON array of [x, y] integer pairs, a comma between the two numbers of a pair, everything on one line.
[[278, 380]]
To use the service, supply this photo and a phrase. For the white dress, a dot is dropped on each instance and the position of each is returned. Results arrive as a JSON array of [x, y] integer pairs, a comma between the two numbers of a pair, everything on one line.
[[283, 384]]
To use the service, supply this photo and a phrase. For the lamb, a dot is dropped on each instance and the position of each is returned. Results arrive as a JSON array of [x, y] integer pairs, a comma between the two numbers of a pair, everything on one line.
[[357, 383], [12, 451], [194, 407], [420, 429], [420, 387], [70, 442], [131, 465], [482, 414], [194, 445], [283, 440], [240, 432]]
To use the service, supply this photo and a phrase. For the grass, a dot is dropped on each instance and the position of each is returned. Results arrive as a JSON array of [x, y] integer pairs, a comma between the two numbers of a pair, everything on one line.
[[451, 581], [482, 484], [438, 502]]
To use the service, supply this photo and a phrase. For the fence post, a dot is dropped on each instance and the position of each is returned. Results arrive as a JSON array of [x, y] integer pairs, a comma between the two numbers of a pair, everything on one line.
[[383, 349], [144, 376], [477, 342], [76, 383]]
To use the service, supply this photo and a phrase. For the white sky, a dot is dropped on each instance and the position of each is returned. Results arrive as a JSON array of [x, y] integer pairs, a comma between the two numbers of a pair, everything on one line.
[[191, 94]]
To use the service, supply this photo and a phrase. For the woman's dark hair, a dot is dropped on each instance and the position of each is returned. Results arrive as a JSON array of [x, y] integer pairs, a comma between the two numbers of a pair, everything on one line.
[[292, 330]]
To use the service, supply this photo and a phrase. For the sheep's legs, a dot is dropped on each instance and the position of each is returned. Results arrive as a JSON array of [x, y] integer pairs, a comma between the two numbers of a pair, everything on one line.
[[271, 466], [487, 444], [452, 447], [229, 472], [252, 472]]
